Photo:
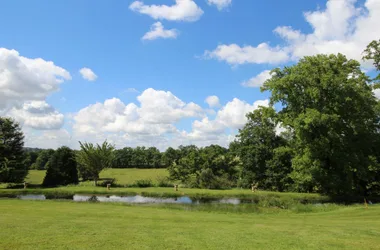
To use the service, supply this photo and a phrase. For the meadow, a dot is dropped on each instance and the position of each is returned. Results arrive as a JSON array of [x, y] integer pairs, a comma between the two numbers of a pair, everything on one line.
[[122, 176], [69, 225]]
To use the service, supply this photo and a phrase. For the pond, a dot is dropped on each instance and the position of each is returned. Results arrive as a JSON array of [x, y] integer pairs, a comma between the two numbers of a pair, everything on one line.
[[137, 199]]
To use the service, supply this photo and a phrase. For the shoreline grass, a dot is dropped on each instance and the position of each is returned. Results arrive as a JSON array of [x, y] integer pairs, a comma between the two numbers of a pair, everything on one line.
[[63, 225]]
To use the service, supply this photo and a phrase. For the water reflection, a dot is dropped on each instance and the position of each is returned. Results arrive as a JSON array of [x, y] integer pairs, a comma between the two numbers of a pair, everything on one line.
[[138, 199]]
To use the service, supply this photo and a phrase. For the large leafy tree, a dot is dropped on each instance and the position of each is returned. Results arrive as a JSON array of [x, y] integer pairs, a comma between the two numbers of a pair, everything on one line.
[[330, 110], [12, 157], [256, 143], [61, 168], [94, 158]]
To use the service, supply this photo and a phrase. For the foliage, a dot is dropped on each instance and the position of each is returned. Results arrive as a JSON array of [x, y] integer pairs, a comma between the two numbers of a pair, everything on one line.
[[372, 52], [330, 112], [93, 159], [12, 157], [61, 168], [42, 159], [139, 157], [257, 145], [142, 183]]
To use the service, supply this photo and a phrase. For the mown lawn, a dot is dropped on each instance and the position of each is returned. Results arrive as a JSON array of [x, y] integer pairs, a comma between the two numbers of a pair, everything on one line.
[[69, 225], [122, 176]]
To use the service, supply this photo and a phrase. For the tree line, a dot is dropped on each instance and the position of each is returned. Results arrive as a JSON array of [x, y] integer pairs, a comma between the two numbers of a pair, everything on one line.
[[320, 134]]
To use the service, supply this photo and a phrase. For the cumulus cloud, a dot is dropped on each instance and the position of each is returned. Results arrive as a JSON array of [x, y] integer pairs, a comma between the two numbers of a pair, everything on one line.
[[157, 30], [182, 10], [231, 116], [212, 101], [341, 27], [155, 115], [88, 74], [23, 79], [38, 115], [234, 54], [258, 80], [220, 4]]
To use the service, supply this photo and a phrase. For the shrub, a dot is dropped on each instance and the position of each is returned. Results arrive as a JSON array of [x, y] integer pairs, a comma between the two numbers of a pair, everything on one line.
[[143, 183], [164, 182]]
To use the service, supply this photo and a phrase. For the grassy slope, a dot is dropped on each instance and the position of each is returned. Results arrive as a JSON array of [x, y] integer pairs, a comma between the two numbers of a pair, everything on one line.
[[123, 176], [67, 225]]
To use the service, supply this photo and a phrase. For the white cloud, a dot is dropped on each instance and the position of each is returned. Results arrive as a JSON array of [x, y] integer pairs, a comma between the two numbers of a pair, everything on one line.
[[150, 122], [220, 4], [230, 117], [23, 79], [234, 54], [233, 114], [182, 10], [376, 92], [88, 74], [38, 115], [341, 27], [157, 31], [212, 101], [131, 90], [258, 80], [49, 138], [154, 117]]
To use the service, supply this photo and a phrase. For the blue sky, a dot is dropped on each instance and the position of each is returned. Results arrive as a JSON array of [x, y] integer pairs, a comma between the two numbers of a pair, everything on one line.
[[210, 55]]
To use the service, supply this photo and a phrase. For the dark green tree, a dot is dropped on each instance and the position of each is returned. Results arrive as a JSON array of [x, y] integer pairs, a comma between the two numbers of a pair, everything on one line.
[[61, 168], [330, 110], [12, 157], [170, 156], [42, 159], [256, 144]]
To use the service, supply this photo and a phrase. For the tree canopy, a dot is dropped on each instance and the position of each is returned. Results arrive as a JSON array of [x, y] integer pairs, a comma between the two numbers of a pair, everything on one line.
[[12, 157], [61, 168], [94, 158]]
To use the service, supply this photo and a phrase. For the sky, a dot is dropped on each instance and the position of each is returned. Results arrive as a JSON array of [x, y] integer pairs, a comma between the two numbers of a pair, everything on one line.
[[160, 72]]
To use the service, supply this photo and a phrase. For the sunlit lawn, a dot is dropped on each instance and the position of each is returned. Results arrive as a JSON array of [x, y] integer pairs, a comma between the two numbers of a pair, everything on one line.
[[122, 176], [68, 225]]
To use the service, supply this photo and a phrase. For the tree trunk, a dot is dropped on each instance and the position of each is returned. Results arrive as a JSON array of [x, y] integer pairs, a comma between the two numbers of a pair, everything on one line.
[[96, 181]]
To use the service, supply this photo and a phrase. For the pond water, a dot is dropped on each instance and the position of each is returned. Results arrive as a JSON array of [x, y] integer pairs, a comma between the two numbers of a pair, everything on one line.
[[137, 199]]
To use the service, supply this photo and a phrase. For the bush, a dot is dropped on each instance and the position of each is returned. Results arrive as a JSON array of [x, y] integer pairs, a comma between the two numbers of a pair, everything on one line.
[[143, 183], [62, 168], [164, 182]]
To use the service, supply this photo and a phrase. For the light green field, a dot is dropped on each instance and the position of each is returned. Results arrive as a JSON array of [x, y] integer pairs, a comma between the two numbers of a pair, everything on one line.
[[123, 176], [68, 225], [35, 176], [130, 175]]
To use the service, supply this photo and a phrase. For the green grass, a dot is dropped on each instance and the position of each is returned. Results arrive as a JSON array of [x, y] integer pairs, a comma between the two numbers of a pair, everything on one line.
[[123, 176], [68, 225], [130, 175], [35, 177]]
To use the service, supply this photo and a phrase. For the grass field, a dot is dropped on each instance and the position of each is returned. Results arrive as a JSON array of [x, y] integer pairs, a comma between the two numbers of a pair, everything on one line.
[[68, 225], [123, 176]]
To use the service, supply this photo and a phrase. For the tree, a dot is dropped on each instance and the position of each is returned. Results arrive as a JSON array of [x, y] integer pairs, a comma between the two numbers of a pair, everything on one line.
[[95, 158], [330, 111], [42, 159], [170, 156], [12, 157], [256, 144], [61, 168], [372, 52]]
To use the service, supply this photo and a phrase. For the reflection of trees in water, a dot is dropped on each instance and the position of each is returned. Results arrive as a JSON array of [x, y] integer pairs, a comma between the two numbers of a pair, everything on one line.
[[93, 199]]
